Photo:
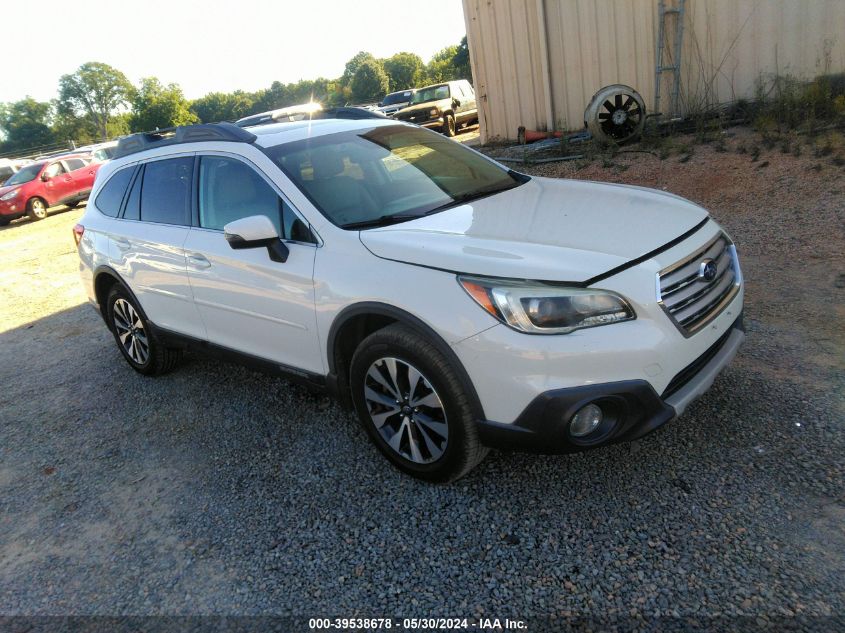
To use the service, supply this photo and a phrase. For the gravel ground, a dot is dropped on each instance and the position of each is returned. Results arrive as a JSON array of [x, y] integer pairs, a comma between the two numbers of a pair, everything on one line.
[[215, 490]]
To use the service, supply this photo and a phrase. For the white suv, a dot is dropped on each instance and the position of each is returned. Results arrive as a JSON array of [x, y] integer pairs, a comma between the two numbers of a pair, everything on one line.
[[455, 304]]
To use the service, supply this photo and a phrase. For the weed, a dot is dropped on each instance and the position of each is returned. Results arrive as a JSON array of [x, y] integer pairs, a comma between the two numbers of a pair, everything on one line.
[[796, 149], [755, 152], [838, 161], [741, 149]]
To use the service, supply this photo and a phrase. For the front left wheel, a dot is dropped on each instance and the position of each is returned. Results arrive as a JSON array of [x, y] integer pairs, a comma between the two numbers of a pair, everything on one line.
[[413, 405], [134, 337], [36, 209]]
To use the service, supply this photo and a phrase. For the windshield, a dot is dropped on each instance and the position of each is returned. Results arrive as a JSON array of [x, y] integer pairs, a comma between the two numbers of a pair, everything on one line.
[[432, 93], [387, 174], [25, 174], [397, 97]]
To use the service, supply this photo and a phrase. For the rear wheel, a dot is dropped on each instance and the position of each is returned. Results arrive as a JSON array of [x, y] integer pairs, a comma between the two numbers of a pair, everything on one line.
[[36, 209], [413, 406], [134, 337], [449, 125], [4, 220]]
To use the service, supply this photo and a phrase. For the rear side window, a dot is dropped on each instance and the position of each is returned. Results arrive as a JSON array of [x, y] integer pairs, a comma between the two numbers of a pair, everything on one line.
[[75, 163], [111, 195], [166, 191]]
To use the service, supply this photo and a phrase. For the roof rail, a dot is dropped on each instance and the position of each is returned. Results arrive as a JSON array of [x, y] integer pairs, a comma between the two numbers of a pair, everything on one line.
[[182, 134]]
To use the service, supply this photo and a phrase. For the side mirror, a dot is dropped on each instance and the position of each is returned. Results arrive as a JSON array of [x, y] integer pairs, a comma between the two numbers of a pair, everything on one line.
[[256, 231], [45, 176], [457, 102]]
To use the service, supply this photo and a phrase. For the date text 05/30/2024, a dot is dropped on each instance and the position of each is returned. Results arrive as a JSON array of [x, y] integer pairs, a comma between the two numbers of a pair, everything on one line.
[[479, 624]]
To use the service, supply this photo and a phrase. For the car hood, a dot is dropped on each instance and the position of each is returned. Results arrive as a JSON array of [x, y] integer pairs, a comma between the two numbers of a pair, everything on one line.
[[546, 229], [425, 106], [7, 188]]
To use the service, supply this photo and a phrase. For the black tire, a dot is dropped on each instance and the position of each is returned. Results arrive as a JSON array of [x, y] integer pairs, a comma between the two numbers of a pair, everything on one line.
[[74, 204], [463, 449], [36, 209], [158, 359], [4, 221], [449, 125]]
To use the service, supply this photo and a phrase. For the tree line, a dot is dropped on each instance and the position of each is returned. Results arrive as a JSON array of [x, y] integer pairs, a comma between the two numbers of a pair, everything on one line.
[[98, 102]]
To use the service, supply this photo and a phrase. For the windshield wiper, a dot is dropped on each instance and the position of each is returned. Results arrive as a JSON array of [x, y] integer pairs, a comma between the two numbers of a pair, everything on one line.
[[382, 220], [470, 196], [395, 218]]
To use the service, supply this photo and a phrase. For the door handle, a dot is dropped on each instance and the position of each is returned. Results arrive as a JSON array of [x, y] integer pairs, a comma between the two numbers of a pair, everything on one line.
[[122, 244], [199, 261]]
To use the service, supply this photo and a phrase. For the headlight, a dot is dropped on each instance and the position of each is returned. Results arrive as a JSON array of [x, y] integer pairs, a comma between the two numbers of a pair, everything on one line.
[[10, 195], [434, 113], [544, 308]]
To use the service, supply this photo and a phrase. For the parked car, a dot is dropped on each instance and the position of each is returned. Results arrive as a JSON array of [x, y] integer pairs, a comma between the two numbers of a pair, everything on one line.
[[395, 101], [445, 107], [454, 303], [9, 167], [99, 152], [290, 113], [40, 185]]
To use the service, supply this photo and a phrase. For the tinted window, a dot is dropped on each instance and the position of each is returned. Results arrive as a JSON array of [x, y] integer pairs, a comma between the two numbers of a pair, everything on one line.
[[75, 163], [111, 195], [231, 190], [132, 211], [26, 174], [166, 191]]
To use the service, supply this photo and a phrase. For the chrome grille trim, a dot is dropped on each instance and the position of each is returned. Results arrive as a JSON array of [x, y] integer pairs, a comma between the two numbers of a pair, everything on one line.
[[692, 302]]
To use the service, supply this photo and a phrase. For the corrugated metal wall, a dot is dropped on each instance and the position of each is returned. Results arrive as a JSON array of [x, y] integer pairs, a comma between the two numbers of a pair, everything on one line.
[[588, 44]]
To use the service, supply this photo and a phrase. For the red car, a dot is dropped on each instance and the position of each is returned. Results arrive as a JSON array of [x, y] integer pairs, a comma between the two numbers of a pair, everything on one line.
[[47, 183]]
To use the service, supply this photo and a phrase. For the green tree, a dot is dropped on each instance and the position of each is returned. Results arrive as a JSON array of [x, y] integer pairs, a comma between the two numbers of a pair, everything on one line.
[[67, 126], [405, 70], [441, 67], [26, 124], [353, 64], [157, 106], [461, 60], [95, 90], [224, 106], [370, 82]]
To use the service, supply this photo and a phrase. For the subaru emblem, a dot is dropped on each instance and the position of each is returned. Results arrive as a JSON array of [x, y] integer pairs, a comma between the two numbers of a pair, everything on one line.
[[707, 270]]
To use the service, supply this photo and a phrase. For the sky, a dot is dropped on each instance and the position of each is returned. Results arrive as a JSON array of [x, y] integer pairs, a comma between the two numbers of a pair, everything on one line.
[[214, 45]]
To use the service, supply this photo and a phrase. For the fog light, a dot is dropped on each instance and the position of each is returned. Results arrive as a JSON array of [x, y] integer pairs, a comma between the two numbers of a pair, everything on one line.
[[585, 421]]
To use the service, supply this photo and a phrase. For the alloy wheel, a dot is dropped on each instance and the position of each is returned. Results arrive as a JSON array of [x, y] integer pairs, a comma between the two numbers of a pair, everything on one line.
[[406, 410], [130, 331], [39, 210]]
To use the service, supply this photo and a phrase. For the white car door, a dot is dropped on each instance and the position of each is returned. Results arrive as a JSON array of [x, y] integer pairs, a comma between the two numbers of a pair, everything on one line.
[[146, 248], [248, 302]]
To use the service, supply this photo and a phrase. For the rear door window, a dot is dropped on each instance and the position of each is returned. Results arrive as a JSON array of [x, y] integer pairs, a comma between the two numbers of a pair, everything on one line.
[[75, 163], [132, 211], [111, 195], [166, 191]]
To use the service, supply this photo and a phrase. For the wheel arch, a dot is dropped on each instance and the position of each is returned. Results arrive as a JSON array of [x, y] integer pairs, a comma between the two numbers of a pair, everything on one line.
[[359, 320], [105, 277]]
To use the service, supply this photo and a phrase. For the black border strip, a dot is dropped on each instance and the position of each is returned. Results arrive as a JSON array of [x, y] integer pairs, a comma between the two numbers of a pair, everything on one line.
[[647, 256]]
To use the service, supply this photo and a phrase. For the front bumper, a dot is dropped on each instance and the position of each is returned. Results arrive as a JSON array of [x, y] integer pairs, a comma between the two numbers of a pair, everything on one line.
[[631, 408], [13, 208], [431, 123]]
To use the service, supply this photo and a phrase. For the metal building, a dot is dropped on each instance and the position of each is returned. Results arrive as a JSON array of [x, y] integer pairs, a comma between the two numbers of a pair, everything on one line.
[[537, 63]]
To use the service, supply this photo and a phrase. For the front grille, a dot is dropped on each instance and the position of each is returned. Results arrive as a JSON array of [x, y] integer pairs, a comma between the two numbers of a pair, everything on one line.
[[687, 293]]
